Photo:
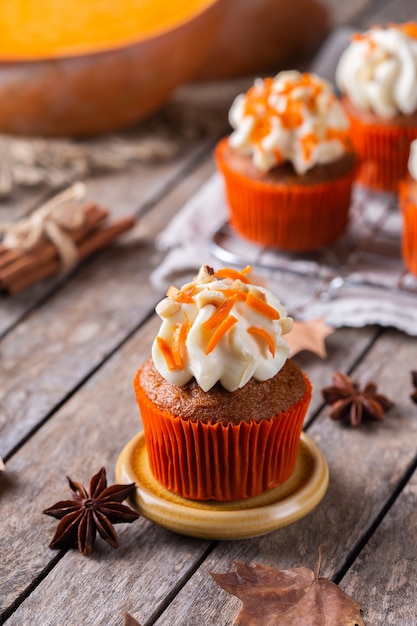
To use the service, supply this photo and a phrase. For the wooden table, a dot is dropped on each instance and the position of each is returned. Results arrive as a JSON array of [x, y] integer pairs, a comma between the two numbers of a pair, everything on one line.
[[68, 354]]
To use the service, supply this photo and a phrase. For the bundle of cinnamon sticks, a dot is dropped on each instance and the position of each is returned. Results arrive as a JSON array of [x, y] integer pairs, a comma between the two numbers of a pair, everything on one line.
[[19, 270]]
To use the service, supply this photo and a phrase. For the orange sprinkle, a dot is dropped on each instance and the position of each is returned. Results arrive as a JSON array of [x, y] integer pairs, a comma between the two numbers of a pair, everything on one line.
[[292, 116], [178, 344], [228, 272], [255, 330], [409, 28], [342, 135], [365, 37], [261, 128], [220, 314], [167, 353], [179, 296], [308, 143], [260, 105], [221, 330], [262, 307], [358, 36]]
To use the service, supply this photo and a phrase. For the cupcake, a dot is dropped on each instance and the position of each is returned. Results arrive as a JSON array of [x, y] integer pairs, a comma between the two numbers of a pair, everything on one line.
[[377, 75], [288, 165], [222, 405], [408, 204]]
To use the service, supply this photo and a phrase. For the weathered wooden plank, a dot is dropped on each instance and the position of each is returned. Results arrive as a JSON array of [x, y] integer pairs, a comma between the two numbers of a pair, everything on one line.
[[91, 429], [365, 466], [125, 193], [87, 433], [57, 345], [383, 577]]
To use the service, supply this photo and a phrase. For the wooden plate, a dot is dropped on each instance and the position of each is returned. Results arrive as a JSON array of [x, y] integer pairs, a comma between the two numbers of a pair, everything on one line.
[[225, 520]]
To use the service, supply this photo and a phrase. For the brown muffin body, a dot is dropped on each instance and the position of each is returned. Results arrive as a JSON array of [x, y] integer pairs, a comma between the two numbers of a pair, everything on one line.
[[368, 117], [255, 401], [285, 174]]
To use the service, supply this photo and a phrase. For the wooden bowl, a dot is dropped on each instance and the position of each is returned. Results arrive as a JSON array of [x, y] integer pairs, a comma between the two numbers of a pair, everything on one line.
[[102, 90]]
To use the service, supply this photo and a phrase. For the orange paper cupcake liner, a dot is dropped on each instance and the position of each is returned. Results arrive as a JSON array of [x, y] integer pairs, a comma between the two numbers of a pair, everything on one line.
[[290, 217], [217, 462], [409, 228], [383, 151]]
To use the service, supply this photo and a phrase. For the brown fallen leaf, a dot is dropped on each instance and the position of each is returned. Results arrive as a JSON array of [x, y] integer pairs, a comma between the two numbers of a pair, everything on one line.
[[309, 336], [295, 597], [130, 621]]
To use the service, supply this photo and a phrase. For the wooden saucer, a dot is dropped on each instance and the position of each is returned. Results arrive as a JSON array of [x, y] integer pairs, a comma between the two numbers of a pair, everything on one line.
[[225, 520]]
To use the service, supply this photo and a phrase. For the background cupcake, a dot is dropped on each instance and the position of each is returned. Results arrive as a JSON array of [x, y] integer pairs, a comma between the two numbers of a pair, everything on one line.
[[288, 165], [377, 74], [222, 405], [408, 203]]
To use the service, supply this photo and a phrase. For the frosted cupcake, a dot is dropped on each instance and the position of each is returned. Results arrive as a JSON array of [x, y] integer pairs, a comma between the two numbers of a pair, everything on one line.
[[288, 165], [222, 405], [377, 74], [408, 203]]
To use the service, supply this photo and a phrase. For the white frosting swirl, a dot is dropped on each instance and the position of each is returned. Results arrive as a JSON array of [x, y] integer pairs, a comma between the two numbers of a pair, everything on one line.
[[293, 117], [412, 160], [253, 346], [378, 70]]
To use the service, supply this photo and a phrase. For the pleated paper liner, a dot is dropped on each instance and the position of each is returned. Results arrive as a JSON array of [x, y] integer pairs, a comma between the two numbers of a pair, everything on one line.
[[224, 463], [291, 217], [408, 204], [382, 148]]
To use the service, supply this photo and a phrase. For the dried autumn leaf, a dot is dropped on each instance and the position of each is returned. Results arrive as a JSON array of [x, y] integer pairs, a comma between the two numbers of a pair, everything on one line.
[[309, 336], [130, 621], [295, 597]]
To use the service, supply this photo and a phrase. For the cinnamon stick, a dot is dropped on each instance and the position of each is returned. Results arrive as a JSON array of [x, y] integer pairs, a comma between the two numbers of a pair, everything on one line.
[[8, 255], [17, 261], [97, 240]]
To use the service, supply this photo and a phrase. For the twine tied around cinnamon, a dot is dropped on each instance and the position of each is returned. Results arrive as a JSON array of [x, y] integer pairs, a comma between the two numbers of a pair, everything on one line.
[[51, 221]]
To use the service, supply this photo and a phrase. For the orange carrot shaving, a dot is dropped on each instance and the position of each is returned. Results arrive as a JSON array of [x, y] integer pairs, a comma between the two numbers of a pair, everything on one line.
[[239, 295], [179, 296], [220, 314], [178, 344], [255, 330], [167, 353], [262, 307], [228, 272], [219, 332]]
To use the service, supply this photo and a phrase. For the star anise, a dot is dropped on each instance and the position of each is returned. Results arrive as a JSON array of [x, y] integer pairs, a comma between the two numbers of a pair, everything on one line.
[[89, 513], [347, 400], [413, 395]]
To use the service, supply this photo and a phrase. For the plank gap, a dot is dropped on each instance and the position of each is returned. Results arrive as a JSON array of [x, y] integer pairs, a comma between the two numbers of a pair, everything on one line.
[[147, 317], [36, 581], [357, 549], [189, 167], [180, 584]]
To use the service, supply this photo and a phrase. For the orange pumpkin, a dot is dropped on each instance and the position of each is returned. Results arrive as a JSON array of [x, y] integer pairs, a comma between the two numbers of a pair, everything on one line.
[[87, 67]]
